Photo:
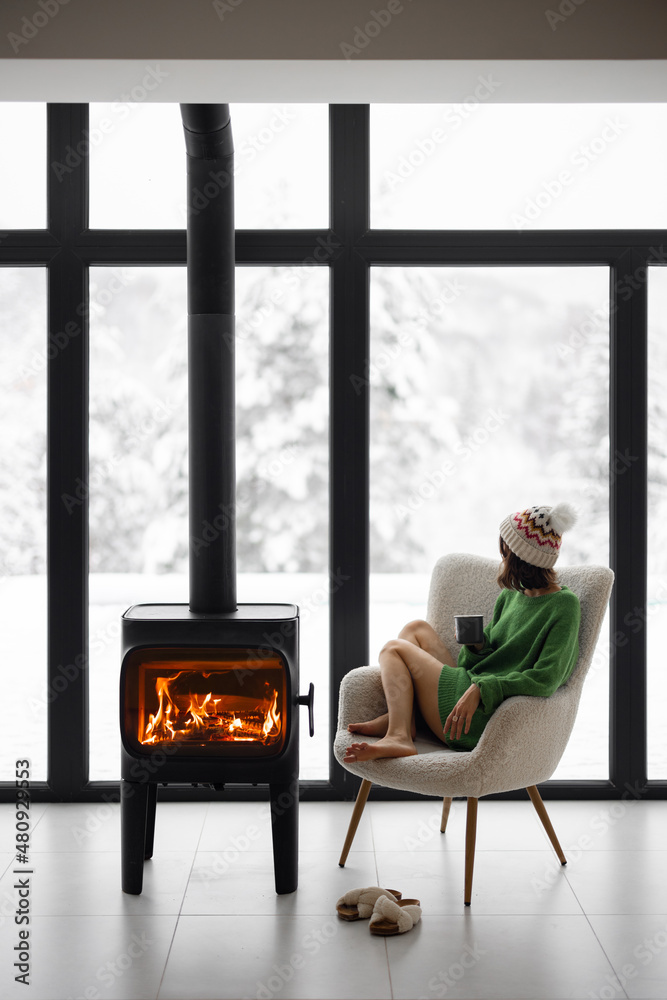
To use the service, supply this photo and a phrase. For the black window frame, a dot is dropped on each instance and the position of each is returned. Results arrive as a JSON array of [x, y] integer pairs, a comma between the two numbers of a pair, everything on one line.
[[68, 248]]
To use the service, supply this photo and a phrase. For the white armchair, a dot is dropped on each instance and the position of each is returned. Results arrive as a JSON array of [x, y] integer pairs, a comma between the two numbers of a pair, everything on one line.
[[523, 741]]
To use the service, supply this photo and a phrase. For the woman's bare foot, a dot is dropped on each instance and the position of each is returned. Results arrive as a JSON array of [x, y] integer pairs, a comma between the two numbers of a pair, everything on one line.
[[377, 727], [387, 747]]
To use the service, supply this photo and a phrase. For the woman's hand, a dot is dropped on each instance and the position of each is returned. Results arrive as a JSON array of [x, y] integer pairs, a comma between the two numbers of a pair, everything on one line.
[[462, 713]]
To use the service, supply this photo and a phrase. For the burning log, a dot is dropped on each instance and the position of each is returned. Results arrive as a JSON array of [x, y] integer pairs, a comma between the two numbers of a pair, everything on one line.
[[184, 715]]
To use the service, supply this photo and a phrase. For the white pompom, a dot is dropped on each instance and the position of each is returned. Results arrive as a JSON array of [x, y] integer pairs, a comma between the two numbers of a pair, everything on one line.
[[562, 517]]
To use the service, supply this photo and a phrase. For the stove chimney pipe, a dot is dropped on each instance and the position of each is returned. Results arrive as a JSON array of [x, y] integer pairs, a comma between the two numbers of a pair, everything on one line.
[[211, 433]]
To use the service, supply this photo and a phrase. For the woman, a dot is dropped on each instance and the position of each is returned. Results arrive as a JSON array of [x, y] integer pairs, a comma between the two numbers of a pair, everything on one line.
[[530, 647]]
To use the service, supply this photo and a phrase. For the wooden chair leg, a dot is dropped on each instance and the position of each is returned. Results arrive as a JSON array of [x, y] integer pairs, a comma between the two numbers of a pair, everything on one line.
[[471, 833], [536, 799], [446, 806], [362, 796]]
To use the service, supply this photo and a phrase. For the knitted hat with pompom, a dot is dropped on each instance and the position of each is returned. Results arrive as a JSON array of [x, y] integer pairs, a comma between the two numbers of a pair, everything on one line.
[[535, 534]]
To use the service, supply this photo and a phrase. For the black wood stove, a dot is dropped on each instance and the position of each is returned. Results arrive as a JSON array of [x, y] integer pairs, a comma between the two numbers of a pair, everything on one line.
[[209, 690]]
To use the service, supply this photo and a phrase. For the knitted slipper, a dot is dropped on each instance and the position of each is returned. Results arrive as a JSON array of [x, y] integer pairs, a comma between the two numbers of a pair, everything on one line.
[[391, 917], [358, 904]]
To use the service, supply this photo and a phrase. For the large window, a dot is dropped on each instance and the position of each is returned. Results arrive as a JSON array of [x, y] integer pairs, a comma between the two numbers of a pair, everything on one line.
[[469, 414], [481, 164], [280, 166], [655, 618], [139, 467], [437, 306], [23, 362]]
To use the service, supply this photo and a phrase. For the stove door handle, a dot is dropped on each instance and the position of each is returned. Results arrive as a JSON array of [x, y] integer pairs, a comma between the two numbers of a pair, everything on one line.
[[307, 699]]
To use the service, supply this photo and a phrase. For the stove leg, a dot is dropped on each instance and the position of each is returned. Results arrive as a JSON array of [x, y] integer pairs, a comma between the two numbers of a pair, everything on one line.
[[133, 810], [285, 831], [150, 820]]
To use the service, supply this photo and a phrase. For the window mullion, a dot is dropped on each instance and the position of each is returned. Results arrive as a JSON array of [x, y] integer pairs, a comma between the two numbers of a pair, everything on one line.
[[67, 458], [628, 516], [349, 456]]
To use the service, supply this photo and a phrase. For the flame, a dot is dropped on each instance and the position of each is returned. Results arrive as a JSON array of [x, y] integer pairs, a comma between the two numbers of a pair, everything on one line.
[[272, 721], [188, 716], [197, 712]]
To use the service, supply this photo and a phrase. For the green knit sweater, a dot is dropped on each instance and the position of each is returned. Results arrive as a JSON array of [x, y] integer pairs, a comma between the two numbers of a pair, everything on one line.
[[530, 647]]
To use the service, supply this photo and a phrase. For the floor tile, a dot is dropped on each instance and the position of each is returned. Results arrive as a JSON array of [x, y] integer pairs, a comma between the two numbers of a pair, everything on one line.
[[511, 958], [637, 948], [630, 824], [228, 883], [90, 883], [501, 826], [325, 829], [504, 882], [293, 957], [228, 823], [118, 957], [322, 826], [596, 928], [95, 826], [619, 881]]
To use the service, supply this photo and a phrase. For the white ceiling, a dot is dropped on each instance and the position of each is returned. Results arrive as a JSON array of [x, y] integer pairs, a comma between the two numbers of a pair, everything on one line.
[[333, 81]]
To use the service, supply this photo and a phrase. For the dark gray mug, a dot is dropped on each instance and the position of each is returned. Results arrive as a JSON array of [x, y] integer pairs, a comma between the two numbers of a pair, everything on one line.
[[469, 629]]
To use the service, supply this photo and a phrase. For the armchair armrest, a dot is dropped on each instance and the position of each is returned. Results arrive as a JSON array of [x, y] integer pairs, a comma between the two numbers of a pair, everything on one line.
[[361, 696], [524, 740]]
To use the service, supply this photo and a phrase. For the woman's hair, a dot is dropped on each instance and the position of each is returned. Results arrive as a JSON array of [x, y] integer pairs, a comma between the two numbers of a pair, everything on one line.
[[515, 574]]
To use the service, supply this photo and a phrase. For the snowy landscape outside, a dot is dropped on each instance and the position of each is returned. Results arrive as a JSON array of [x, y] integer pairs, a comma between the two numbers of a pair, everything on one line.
[[489, 393]]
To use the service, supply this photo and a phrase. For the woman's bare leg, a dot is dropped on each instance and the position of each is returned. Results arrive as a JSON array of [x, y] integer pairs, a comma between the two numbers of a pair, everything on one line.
[[407, 671], [420, 634], [425, 636], [378, 727]]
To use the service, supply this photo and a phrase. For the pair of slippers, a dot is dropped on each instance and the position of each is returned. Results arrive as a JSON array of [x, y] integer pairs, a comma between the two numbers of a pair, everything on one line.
[[389, 913]]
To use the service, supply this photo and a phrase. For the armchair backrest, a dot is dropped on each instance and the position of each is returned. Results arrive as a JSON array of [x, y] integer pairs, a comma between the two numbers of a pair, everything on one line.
[[466, 584]]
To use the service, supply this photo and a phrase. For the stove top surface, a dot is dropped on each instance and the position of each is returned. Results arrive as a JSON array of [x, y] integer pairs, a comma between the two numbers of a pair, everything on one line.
[[181, 612]]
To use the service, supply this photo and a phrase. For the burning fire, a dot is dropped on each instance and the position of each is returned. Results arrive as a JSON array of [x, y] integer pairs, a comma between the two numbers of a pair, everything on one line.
[[186, 716]]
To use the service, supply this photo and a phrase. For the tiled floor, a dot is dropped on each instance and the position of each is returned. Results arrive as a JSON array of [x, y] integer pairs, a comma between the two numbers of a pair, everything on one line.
[[209, 925]]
